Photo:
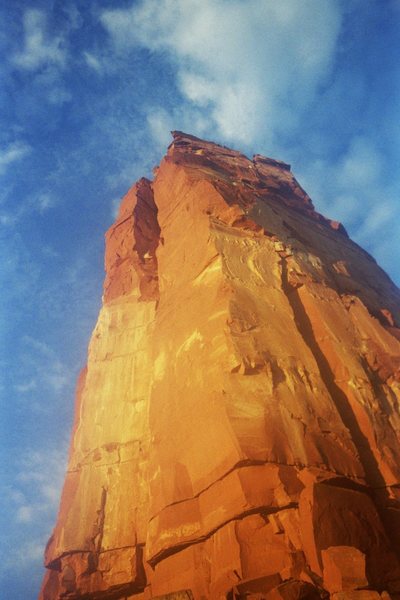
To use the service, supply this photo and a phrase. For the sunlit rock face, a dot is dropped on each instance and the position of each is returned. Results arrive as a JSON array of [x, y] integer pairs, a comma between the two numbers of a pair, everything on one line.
[[237, 425]]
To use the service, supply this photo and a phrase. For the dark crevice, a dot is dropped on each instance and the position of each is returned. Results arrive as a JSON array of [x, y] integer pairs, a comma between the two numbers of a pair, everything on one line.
[[342, 477], [238, 465], [147, 237], [368, 460], [373, 476], [134, 248], [114, 592], [178, 595], [99, 526], [119, 592], [264, 511]]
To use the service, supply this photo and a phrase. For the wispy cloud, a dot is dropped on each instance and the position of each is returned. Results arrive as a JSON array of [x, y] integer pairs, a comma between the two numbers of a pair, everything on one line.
[[27, 553], [42, 57], [13, 153], [361, 165], [24, 388], [41, 359], [46, 468], [39, 202], [44, 201], [115, 204], [93, 62], [25, 514], [160, 123], [357, 190], [39, 47], [32, 500], [73, 13], [249, 68]]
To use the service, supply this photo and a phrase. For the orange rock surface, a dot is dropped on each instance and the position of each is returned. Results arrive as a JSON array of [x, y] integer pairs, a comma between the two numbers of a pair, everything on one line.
[[237, 425]]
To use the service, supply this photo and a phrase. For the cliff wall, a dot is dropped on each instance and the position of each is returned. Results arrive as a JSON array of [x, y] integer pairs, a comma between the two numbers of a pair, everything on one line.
[[237, 425]]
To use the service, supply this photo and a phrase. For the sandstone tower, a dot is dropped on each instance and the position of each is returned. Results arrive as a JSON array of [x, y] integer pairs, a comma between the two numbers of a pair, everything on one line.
[[237, 425]]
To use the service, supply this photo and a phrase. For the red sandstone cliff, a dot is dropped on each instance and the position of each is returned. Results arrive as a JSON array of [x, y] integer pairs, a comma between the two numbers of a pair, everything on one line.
[[237, 426]]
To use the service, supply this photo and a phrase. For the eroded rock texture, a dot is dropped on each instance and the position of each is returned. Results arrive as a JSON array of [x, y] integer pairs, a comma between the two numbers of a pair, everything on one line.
[[237, 426]]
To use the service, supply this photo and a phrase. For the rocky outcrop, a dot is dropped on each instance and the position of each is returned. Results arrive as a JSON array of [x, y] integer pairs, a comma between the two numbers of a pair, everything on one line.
[[237, 426]]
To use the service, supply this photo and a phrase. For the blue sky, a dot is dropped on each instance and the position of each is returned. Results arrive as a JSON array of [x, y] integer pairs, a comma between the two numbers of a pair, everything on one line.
[[89, 92]]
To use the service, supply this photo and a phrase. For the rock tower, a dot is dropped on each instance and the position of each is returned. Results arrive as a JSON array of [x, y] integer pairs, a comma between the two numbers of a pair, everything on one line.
[[236, 429]]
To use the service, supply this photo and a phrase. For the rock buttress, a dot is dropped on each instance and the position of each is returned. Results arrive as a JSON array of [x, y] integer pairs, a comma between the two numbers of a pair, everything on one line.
[[237, 427]]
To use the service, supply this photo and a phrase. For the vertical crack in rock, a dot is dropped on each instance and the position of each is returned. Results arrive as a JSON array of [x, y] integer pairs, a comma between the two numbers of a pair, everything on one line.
[[99, 525], [147, 237], [373, 475], [131, 244]]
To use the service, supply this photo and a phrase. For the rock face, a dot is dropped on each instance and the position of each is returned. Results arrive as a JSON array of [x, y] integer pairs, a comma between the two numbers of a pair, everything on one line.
[[237, 426]]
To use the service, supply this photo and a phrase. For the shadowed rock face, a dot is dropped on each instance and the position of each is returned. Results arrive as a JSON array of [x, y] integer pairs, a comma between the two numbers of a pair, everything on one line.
[[237, 426]]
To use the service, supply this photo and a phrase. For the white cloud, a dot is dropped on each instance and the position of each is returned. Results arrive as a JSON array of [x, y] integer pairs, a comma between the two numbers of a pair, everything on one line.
[[23, 388], [13, 153], [29, 552], [377, 219], [74, 16], [43, 472], [361, 166], [7, 220], [50, 372], [160, 123], [16, 496], [25, 555], [39, 203], [24, 514], [23, 558], [347, 188], [32, 501], [40, 49], [115, 204], [356, 183], [59, 95], [93, 62], [57, 379], [51, 490], [251, 67], [356, 190], [44, 201], [39, 346]]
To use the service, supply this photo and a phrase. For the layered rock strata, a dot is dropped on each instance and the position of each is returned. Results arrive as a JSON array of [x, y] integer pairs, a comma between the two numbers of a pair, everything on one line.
[[237, 425]]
